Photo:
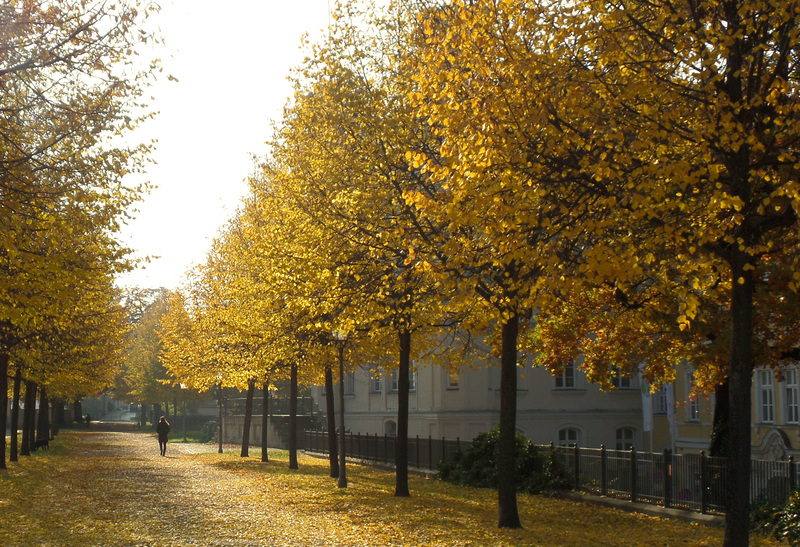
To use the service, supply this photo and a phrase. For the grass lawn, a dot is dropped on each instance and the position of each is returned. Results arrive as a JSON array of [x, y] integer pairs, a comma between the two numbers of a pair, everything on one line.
[[94, 488]]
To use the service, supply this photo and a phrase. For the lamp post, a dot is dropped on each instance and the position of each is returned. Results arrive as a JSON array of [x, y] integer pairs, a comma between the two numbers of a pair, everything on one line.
[[340, 338], [183, 392]]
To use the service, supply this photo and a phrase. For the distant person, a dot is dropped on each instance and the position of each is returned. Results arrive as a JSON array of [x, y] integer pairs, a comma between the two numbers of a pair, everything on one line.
[[88, 419], [163, 430]]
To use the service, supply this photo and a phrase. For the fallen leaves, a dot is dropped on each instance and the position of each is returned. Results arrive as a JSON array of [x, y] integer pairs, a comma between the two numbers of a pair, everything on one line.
[[114, 489]]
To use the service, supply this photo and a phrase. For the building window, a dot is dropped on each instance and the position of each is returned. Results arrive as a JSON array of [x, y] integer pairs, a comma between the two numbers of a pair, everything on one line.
[[569, 436], [390, 428], [766, 397], [692, 403], [618, 380], [452, 380], [624, 438], [792, 392], [376, 382], [349, 383], [412, 381], [660, 401], [566, 380]]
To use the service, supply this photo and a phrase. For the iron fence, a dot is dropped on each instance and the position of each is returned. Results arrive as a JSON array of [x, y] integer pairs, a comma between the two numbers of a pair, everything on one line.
[[693, 482]]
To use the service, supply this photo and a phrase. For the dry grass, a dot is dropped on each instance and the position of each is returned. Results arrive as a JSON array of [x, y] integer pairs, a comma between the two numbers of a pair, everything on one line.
[[97, 488]]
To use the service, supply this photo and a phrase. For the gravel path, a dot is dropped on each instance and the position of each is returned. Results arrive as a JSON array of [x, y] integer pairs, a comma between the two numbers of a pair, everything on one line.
[[118, 490]]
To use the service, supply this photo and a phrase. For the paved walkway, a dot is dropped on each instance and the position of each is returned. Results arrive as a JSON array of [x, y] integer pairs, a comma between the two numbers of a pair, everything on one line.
[[114, 489], [119, 491]]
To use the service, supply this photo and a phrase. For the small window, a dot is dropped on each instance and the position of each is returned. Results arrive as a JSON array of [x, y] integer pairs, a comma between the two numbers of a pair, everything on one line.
[[618, 380], [791, 392], [624, 438], [568, 436], [692, 404], [390, 428], [452, 380], [349, 383], [660, 401], [412, 381], [766, 396], [566, 380], [376, 382]]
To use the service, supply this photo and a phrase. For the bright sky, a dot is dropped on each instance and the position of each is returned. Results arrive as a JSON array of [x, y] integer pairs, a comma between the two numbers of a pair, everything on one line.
[[231, 60]]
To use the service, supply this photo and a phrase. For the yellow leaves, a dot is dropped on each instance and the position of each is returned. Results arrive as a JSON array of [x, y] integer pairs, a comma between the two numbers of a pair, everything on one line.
[[242, 499]]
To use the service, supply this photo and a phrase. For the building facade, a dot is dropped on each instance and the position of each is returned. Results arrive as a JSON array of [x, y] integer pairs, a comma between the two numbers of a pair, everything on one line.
[[568, 409], [460, 405]]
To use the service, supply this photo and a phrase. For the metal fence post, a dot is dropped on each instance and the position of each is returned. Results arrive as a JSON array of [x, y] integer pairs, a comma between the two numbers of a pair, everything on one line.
[[703, 489], [603, 477], [792, 474], [417, 461], [633, 474], [430, 452], [577, 467], [667, 477], [385, 448]]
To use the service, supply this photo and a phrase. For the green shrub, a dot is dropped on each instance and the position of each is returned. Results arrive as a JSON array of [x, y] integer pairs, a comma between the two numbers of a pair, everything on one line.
[[779, 521], [787, 525], [208, 431], [536, 471]]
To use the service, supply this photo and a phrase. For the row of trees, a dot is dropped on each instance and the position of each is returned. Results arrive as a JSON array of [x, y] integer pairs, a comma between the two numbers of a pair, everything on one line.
[[617, 179], [70, 91]]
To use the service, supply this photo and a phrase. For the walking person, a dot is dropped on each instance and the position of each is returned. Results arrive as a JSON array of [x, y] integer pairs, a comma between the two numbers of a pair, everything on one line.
[[163, 430]]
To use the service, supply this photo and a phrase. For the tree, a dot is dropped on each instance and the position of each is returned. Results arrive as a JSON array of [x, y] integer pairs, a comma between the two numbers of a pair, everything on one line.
[[697, 105], [67, 94]]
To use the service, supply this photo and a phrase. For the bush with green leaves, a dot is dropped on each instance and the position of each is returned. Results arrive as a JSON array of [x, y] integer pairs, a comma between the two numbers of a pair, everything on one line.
[[536, 470], [779, 521], [208, 431]]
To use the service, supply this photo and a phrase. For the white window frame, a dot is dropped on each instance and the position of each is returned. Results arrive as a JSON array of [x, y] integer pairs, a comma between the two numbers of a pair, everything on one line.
[[566, 380], [623, 438], [453, 379], [791, 395], [619, 381], [569, 436], [395, 384], [660, 405], [766, 396], [349, 383], [692, 405], [376, 382]]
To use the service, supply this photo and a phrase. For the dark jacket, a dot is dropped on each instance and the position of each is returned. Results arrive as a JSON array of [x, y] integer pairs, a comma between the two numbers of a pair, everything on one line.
[[162, 429]]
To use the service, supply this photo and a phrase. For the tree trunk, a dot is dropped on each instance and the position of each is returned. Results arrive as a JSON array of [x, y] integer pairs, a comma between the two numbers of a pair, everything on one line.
[[293, 418], [43, 421], [13, 455], [720, 433], [330, 407], [28, 422], [265, 423], [3, 407], [740, 377], [221, 404], [506, 481], [401, 449], [248, 416], [143, 415], [342, 483]]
